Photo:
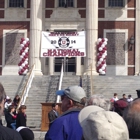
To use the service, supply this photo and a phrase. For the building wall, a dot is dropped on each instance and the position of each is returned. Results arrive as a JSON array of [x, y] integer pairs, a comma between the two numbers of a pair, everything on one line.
[[71, 18]]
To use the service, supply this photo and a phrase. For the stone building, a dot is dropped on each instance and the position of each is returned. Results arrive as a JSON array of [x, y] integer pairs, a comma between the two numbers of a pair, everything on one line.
[[117, 20]]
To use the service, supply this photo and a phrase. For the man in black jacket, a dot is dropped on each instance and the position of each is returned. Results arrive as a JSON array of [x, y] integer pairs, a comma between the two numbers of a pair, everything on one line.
[[6, 133], [53, 114]]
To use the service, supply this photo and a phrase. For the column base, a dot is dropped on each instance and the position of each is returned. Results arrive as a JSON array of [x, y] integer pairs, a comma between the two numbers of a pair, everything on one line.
[[88, 72], [38, 72]]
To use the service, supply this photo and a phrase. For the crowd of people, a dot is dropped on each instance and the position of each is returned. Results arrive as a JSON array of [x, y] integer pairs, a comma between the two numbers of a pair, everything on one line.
[[98, 118], [95, 118], [16, 121]]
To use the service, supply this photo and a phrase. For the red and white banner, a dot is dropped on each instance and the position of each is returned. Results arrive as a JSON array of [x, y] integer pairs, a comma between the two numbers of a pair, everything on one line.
[[63, 44]]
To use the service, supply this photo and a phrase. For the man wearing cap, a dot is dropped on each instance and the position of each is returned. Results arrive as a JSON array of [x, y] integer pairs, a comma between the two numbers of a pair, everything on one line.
[[67, 127]]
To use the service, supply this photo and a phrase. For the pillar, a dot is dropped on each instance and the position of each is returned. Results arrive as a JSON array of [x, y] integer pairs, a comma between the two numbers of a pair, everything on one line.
[[91, 35], [137, 39], [35, 35]]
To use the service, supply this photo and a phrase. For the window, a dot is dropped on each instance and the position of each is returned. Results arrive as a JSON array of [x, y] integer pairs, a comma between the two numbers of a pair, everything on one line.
[[66, 3], [16, 3], [116, 3]]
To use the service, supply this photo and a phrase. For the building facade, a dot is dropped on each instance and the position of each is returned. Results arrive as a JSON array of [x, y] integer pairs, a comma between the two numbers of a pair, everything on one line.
[[116, 20]]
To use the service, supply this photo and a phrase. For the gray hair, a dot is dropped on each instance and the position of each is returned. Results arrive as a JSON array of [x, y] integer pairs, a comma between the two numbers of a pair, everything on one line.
[[99, 100]]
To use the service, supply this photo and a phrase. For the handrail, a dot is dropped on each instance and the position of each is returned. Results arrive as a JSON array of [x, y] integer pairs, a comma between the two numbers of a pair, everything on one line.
[[60, 83], [27, 86]]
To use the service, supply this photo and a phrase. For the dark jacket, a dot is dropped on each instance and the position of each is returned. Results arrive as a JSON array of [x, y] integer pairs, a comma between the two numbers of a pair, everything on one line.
[[9, 119], [65, 127], [21, 120], [9, 134], [134, 134], [52, 116]]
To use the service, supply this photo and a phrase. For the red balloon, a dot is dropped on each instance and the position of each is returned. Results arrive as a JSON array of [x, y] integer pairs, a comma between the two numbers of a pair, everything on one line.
[[103, 40], [22, 39]]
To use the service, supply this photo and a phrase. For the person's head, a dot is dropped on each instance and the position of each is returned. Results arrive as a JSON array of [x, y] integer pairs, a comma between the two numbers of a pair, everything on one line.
[[72, 97], [54, 106], [17, 97], [22, 109], [9, 101], [98, 124], [11, 108], [25, 133], [124, 96], [115, 94], [99, 100], [131, 116], [2, 98], [129, 96]]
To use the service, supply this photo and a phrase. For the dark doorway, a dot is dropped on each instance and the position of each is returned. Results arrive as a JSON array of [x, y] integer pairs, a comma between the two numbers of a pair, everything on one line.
[[68, 62]]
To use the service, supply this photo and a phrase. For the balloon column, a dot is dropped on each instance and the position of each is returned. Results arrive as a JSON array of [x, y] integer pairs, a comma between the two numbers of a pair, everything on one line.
[[24, 52], [101, 55]]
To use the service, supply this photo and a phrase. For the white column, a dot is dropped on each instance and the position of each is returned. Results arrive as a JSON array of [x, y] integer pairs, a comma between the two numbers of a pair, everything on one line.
[[78, 65], [91, 35], [51, 65], [137, 39], [35, 35]]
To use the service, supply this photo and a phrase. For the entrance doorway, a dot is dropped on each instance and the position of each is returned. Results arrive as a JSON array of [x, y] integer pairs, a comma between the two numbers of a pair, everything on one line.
[[69, 64]]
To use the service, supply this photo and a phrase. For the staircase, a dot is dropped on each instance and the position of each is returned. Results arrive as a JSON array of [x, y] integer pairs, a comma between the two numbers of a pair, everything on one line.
[[108, 85], [44, 87], [12, 84], [42, 90]]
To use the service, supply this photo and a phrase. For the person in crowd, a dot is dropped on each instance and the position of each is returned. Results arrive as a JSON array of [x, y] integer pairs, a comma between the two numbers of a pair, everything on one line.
[[131, 116], [53, 114], [115, 98], [120, 105], [10, 117], [98, 124], [129, 99], [21, 117], [26, 133], [5, 132], [67, 127], [7, 104], [124, 97], [16, 100], [99, 100]]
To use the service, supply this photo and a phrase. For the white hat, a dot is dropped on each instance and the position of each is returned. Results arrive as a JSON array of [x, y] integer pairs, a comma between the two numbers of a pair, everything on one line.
[[98, 124]]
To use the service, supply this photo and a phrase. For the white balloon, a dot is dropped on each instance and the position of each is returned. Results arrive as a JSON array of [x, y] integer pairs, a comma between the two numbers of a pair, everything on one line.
[[26, 62], [21, 45], [103, 72], [99, 39], [105, 43], [105, 39], [23, 65], [104, 65], [103, 68], [26, 59], [100, 49], [100, 70], [99, 62], [27, 39], [103, 56], [102, 45], [21, 56], [23, 53], [20, 67], [101, 59], [24, 42], [25, 50]]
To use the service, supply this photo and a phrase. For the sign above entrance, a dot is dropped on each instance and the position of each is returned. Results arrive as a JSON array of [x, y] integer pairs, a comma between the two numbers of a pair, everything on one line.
[[63, 44]]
